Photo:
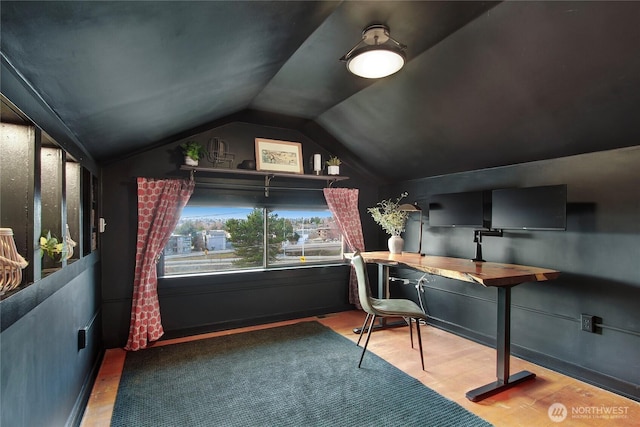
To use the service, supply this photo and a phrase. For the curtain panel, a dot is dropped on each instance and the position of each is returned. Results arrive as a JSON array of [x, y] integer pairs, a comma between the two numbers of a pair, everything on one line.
[[343, 203], [160, 204]]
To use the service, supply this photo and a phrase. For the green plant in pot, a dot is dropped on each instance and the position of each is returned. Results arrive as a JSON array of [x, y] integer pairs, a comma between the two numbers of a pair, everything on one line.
[[388, 215], [192, 152], [51, 246], [333, 165]]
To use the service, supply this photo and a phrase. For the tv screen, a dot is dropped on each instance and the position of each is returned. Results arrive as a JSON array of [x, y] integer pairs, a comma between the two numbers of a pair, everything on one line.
[[458, 210], [530, 208]]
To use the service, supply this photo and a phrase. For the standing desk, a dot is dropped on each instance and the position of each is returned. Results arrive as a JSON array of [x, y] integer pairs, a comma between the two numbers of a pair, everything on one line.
[[488, 274]]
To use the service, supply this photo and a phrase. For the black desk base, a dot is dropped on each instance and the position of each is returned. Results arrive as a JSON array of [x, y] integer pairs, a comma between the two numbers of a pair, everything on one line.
[[503, 277], [489, 390], [504, 380]]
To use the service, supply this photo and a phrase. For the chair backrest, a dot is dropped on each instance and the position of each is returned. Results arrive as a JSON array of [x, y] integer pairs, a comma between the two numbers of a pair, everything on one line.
[[364, 292]]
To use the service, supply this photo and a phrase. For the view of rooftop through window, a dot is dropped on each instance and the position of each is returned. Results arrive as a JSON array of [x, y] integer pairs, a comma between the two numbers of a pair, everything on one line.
[[213, 239]]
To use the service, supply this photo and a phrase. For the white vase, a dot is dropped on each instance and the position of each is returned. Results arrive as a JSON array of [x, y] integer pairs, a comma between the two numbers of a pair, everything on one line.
[[189, 161], [333, 170], [396, 244]]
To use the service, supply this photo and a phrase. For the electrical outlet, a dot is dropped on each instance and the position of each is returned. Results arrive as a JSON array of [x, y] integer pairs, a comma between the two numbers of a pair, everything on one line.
[[82, 338], [588, 322]]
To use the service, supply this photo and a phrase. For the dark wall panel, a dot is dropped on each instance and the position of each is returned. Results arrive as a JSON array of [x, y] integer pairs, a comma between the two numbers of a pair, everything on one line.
[[218, 302], [43, 373], [597, 255], [223, 300], [44, 378]]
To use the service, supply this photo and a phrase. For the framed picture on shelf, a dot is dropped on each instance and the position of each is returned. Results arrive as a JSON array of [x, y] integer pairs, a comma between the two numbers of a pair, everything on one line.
[[278, 156]]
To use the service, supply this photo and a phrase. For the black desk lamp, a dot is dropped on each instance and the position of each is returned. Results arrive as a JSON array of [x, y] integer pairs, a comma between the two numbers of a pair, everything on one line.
[[414, 208]]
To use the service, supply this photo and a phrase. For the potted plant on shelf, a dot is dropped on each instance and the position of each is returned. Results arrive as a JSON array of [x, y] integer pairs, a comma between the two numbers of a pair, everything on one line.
[[392, 220], [51, 246], [192, 152], [333, 165]]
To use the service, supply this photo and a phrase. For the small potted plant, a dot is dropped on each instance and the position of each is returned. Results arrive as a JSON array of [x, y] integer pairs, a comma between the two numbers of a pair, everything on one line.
[[392, 220], [192, 152], [333, 165], [51, 246]]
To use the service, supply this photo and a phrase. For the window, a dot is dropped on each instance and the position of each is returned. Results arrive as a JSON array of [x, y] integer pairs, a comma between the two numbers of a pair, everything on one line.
[[217, 239]]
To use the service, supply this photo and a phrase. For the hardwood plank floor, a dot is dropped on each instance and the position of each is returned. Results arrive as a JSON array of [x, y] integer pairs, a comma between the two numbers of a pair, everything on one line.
[[453, 365]]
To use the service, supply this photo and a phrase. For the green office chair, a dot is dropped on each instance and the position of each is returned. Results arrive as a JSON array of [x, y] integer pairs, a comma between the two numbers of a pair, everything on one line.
[[388, 307]]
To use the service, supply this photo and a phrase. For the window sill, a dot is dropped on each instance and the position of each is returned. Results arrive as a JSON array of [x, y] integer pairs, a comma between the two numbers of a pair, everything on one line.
[[256, 270]]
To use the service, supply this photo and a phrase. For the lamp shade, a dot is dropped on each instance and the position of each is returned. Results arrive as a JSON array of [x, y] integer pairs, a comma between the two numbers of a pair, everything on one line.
[[374, 62], [377, 55]]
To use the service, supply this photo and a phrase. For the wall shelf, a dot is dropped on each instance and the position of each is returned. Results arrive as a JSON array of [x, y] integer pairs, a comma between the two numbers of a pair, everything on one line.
[[268, 176]]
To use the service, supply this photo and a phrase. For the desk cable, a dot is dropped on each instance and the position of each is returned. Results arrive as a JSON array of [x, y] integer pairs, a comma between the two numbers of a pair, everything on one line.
[[419, 285]]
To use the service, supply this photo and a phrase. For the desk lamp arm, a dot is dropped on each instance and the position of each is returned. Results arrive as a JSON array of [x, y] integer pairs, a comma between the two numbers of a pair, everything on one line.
[[477, 239]]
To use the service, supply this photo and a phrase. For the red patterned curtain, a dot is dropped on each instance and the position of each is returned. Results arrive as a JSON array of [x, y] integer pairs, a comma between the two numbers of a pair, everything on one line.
[[160, 203], [343, 203]]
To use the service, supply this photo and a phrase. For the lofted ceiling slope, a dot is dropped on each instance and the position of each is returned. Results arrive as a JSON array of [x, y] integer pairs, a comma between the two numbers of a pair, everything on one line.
[[486, 84]]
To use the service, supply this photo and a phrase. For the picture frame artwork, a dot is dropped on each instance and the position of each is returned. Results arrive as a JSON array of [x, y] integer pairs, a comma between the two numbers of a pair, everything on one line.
[[279, 156]]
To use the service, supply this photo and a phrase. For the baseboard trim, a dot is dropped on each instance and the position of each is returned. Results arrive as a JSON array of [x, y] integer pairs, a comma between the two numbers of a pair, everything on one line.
[[606, 382], [75, 418]]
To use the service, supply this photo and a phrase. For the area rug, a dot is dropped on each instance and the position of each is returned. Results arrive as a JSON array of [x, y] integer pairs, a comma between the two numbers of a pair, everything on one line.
[[299, 375]]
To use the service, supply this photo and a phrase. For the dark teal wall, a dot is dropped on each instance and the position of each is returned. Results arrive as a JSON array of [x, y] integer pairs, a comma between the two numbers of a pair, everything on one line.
[[45, 380], [206, 303], [598, 256]]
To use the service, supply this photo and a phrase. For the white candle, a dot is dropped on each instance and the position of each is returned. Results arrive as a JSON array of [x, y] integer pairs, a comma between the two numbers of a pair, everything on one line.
[[317, 162]]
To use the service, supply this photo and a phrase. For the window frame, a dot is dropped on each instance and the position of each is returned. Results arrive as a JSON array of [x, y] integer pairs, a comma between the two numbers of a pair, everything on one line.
[[267, 210]]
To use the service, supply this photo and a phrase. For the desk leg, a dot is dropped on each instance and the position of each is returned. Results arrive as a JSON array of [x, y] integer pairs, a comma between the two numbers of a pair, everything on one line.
[[503, 353]]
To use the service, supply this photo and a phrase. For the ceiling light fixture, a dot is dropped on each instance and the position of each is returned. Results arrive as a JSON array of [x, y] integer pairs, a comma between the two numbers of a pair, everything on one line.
[[377, 55]]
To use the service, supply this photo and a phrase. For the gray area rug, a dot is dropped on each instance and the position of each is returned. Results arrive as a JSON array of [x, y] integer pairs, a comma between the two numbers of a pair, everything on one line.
[[299, 375]]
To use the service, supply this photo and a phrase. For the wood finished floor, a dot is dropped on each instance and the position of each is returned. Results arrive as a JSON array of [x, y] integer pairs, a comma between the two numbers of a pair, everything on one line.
[[453, 365]]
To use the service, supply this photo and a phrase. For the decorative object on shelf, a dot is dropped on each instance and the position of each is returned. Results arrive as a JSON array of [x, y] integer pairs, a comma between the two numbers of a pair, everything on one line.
[[218, 152], [377, 55], [392, 220], [70, 243], [333, 165], [11, 262], [317, 164], [247, 164], [52, 247], [278, 156], [192, 152]]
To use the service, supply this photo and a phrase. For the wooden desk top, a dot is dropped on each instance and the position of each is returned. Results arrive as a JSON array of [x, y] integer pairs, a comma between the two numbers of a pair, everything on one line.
[[484, 273]]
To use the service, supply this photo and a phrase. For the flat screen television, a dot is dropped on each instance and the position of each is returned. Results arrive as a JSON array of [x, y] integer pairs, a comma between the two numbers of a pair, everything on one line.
[[468, 209], [530, 208]]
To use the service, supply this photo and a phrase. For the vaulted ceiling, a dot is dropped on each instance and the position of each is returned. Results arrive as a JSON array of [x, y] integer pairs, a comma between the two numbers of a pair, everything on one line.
[[486, 84]]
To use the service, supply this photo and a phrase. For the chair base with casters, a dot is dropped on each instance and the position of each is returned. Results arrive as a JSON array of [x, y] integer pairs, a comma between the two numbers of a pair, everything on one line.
[[384, 307]]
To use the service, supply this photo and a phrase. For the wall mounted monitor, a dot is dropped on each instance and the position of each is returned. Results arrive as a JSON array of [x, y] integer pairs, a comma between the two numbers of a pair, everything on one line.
[[530, 208], [468, 209]]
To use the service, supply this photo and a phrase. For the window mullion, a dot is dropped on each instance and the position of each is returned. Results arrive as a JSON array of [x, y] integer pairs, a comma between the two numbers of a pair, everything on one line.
[[265, 238]]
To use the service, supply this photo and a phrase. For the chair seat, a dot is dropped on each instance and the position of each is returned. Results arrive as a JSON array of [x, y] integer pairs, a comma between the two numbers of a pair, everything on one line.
[[397, 307]]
